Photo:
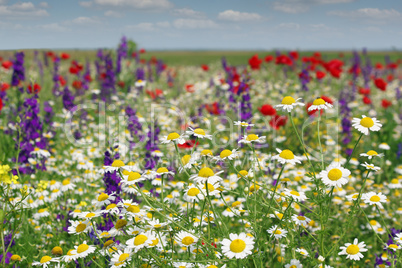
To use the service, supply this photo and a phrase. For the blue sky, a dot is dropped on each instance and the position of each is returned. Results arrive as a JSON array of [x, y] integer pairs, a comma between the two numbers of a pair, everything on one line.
[[208, 24]]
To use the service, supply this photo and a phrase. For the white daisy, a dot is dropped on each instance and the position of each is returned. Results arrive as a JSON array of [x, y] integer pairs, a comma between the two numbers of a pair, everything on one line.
[[40, 153], [242, 124], [294, 264], [393, 247], [199, 133], [131, 177], [299, 196], [45, 261], [140, 83], [192, 193], [370, 154], [104, 199], [83, 250], [175, 137], [227, 154], [334, 175], [121, 258], [288, 103], [238, 246], [370, 166], [186, 239], [78, 227], [398, 238], [365, 124], [252, 138], [140, 241], [372, 198], [277, 232], [116, 165], [353, 251], [301, 220], [384, 146], [286, 156], [319, 104], [206, 174]]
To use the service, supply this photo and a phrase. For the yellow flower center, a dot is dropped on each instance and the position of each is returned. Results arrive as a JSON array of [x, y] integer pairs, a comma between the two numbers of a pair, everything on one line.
[[15, 257], [154, 242], [81, 248], [80, 227], [394, 181], [237, 246], [188, 240], [212, 266], [45, 259], [393, 246], [108, 243], [373, 222], [375, 198], [117, 163], [111, 206], [252, 137], [90, 215], [133, 176], [133, 209], [206, 152], [371, 152], [293, 266], [352, 249], [210, 187], [293, 192], [123, 257], [318, 101], [287, 154], [279, 215], [288, 100], [205, 172], [367, 122], [301, 218], [236, 203], [243, 173], [66, 182], [162, 170], [103, 197], [140, 239], [185, 159], [334, 174], [193, 192], [120, 223], [199, 131], [225, 153], [278, 232], [173, 136], [41, 210]]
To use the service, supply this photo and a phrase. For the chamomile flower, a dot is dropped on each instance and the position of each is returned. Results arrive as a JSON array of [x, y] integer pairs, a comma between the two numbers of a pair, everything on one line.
[[370, 166], [104, 199], [286, 156], [83, 250], [334, 175], [319, 104], [384, 146], [242, 124], [252, 138], [237, 246], [78, 227], [398, 238], [353, 251], [199, 133], [192, 193], [372, 198], [132, 177], [302, 251], [294, 264], [140, 83], [299, 196], [140, 241], [366, 124], [227, 154], [277, 232], [115, 166], [301, 220], [206, 174], [370, 154], [393, 247], [183, 265], [186, 239], [162, 171], [121, 258], [41, 153], [288, 103], [45, 261], [174, 137]]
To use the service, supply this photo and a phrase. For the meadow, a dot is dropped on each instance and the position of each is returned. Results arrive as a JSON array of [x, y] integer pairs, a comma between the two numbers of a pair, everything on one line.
[[135, 158]]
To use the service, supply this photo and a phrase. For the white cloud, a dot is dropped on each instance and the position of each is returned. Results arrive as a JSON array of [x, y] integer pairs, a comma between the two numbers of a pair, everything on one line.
[[54, 27], [114, 14], [85, 4], [289, 26], [83, 21], [231, 15], [44, 4], [163, 24], [194, 24], [369, 13], [22, 10], [300, 6], [143, 26], [136, 4], [187, 12]]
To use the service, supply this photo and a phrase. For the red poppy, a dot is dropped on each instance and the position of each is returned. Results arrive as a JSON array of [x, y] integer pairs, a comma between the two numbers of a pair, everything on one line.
[[1, 104], [366, 100], [386, 103], [77, 84], [319, 75], [121, 84], [294, 55], [7, 64], [317, 55], [255, 62], [65, 56], [269, 58], [62, 80], [334, 67], [327, 99], [189, 88], [364, 91], [380, 84], [36, 88], [277, 121], [50, 54], [390, 77], [267, 109], [205, 67], [73, 70], [5, 86], [213, 108], [143, 61], [134, 54], [283, 59], [88, 78], [379, 66], [392, 66], [188, 144], [142, 50]]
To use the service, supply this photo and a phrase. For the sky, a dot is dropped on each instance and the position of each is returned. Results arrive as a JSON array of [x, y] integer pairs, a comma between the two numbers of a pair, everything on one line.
[[205, 24]]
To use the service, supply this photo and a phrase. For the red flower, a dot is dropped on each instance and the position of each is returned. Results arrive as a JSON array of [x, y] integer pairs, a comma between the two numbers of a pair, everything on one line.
[[1, 104], [379, 66], [189, 88], [73, 70], [334, 67], [267, 109], [313, 111], [36, 88], [366, 100], [61, 80], [277, 121], [121, 84], [283, 59], [380, 84], [77, 84], [269, 58], [255, 62], [142, 50], [294, 55], [213, 108], [320, 75], [327, 99], [65, 56], [134, 54], [392, 66], [5, 86], [205, 67], [188, 144], [386, 103], [50, 54], [143, 61], [364, 91], [7, 64], [390, 77]]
